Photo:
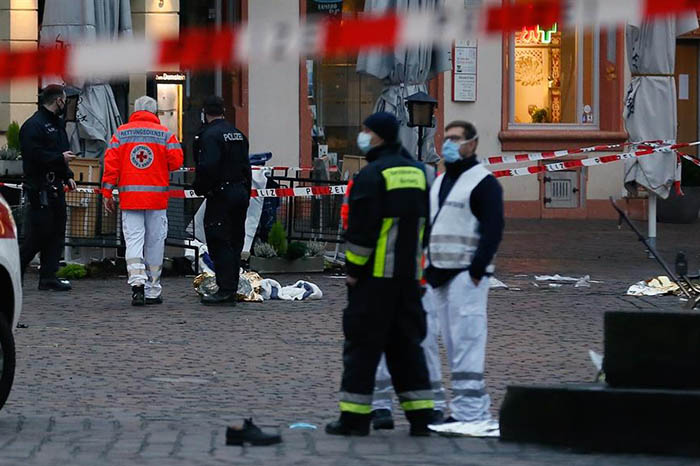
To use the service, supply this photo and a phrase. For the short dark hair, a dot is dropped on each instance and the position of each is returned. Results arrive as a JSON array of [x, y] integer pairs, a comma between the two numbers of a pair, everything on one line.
[[51, 93], [214, 106], [469, 129]]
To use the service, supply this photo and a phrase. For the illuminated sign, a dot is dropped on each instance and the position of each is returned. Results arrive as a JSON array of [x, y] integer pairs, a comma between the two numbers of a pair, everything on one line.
[[535, 36]]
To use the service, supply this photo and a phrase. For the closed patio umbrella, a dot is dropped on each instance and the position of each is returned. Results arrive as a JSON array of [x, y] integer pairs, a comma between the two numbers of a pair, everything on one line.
[[405, 72], [650, 108]]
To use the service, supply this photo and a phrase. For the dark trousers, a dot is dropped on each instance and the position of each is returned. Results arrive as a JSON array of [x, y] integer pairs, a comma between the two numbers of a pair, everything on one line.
[[44, 232], [385, 316], [224, 227]]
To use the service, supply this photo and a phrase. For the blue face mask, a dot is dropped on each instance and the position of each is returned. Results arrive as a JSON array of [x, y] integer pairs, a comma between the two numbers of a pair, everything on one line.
[[364, 142], [450, 151]]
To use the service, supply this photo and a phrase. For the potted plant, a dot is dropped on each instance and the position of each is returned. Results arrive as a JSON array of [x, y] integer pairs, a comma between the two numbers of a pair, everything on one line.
[[682, 209], [10, 157], [278, 256]]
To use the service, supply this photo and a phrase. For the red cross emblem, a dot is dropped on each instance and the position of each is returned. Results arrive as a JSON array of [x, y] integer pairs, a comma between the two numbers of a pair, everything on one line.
[[141, 156]]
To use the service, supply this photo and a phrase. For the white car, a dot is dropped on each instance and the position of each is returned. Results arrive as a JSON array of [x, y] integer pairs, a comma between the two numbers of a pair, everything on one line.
[[10, 297]]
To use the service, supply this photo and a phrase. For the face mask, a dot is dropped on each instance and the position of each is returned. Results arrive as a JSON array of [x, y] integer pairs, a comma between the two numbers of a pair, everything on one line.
[[364, 142], [450, 149]]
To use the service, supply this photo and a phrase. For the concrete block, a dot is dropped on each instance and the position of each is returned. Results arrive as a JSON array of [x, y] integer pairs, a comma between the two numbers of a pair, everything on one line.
[[652, 349], [594, 417]]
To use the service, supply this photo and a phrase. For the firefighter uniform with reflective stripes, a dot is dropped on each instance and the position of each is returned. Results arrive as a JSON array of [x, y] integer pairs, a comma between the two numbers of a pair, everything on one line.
[[138, 162], [466, 211], [388, 210]]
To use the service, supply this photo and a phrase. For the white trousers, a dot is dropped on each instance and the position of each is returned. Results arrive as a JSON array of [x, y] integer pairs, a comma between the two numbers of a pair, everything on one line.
[[383, 389], [459, 307], [145, 232]]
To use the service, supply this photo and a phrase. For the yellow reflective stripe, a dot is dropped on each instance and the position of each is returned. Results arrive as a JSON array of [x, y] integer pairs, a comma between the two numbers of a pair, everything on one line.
[[404, 178], [421, 232], [356, 258], [417, 404], [380, 252], [357, 408]]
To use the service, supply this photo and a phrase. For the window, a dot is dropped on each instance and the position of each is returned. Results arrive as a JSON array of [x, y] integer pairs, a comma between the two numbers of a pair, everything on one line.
[[552, 77], [339, 97], [562, 87]]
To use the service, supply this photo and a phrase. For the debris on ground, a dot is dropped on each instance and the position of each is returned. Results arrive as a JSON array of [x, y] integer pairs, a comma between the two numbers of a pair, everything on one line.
[[253, 288], [302, 425], [657, 286], [271, 289], [496, 283], [488, 428]]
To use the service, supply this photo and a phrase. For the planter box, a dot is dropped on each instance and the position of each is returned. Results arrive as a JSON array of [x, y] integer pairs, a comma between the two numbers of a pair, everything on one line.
[[280, 265], [11, 167], [680, 209]]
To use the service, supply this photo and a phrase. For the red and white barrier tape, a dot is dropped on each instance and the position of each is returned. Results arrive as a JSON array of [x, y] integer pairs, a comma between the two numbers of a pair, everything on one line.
[[339, 190], [590, 162], [534, 156], [690, 159], [255, 167], [200, 49], [335, 190]]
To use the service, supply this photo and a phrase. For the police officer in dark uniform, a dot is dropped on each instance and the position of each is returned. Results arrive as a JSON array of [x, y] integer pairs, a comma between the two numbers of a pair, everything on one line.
[[388, 213], [46, 155], [224, 176]]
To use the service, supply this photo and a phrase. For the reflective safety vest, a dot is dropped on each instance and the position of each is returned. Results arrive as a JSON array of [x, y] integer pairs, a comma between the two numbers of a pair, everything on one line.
[[454, 234], [138, 162]]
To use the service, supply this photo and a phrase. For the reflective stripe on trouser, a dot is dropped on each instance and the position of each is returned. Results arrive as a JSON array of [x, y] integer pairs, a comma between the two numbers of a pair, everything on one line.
[[461, 310], [355, 403], [383, 389], [145, 232]]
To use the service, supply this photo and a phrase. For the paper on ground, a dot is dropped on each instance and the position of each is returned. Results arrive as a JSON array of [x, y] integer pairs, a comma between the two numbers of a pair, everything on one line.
[[655, 287], [488, 428], [496, 283]]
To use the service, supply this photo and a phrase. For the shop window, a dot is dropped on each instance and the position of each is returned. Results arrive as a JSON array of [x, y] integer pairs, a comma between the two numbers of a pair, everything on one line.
[[562, 87], [338, 96], [552, 77]]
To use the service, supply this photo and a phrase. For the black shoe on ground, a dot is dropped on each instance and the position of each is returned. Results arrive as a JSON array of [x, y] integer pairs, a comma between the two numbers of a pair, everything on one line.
[[219, 299], [250, 433], [450, 419], [340, 428], [158, 300], [419, 431], [138, 297], [382, 419], [437, 418], [55, 285]]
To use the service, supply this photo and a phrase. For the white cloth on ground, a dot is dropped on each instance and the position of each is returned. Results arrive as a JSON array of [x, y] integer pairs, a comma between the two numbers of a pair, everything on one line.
[[271, 289]]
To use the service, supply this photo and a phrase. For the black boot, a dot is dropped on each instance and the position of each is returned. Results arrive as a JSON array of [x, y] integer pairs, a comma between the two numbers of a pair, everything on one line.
[[382, 419], [419, 419], [138, 297], [250, 433], [219, 299], [54, 284], [350, 424]]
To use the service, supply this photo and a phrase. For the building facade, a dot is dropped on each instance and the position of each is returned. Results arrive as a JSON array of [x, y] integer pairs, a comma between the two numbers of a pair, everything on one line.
[[543, 88]]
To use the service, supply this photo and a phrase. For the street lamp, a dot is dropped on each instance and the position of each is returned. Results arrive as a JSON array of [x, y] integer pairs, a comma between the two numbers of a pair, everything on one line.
[[420, 114]]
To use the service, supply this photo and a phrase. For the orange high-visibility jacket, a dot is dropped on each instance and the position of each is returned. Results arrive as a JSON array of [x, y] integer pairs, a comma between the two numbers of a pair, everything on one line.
[[138, 162]]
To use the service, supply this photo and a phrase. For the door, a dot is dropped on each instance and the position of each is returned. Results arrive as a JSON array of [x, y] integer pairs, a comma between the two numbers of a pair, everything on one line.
[[687, 92]]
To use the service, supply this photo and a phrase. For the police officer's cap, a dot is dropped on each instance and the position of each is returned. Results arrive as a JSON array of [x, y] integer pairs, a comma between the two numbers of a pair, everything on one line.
[[213, 105]]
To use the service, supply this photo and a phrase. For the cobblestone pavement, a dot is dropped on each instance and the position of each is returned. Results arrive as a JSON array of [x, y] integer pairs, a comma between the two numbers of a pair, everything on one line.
[[99, 382]]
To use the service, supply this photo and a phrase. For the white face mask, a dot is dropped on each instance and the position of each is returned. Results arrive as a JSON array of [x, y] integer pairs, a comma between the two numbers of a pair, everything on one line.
[[364, 142]]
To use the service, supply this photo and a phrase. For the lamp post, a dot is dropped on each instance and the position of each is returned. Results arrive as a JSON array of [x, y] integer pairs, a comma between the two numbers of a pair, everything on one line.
[[420, 114]]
